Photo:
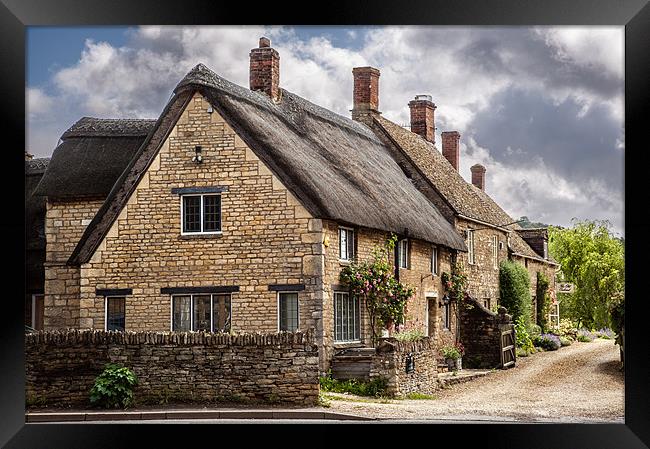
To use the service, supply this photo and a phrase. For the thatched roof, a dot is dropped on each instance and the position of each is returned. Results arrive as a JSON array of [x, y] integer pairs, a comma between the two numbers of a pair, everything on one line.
[[92, 155], [465, 198], [338, 168], [34, 205]]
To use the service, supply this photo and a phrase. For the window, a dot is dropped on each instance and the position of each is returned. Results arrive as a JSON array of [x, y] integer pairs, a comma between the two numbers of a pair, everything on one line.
[[434, 260], [201, 214], [487, 302], [346, 244], [470, 246], [209, 313], [115, 313], [288, 311], [346, 317], [446, 315], [545, 249], [495, 252], [403, 253]]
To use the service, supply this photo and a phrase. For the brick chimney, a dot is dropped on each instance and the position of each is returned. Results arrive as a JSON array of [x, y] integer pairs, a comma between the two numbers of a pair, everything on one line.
[[366, 93], [478, 176], [422, 123], [450, 147], [265, 69]]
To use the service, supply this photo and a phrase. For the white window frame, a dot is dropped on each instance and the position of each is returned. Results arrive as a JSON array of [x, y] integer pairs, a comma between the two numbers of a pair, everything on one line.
[[403, 253], [357, 312], [434, 260], [349, 231], [106, 310], [192, 295], [545, 249], [495, 253], [201, 232], [297, 309], [471, 256]]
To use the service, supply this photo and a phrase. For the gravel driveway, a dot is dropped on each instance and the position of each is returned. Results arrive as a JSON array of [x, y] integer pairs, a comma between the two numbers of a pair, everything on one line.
[[578, 383]]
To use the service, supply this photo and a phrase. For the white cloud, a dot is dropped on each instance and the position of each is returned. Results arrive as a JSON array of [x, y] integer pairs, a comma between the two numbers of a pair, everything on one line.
[[462, 68]]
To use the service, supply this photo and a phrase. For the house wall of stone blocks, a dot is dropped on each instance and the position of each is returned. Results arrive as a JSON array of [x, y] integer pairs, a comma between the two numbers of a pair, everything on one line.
[[425, 305], [483, 275], [65, 222]]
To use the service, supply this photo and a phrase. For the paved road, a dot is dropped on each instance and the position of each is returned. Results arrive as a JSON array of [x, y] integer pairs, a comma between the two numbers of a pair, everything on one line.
[[578, 383]]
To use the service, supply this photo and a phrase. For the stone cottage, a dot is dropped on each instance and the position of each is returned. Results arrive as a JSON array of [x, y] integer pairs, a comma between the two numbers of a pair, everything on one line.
[[234, 211], [237, 209]]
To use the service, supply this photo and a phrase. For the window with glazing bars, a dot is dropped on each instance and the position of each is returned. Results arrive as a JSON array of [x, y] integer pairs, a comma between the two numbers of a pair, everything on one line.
[[434, 260], [201, 214], [115, 313], [209, 313], [346, 243], [288, 311], [495, 252], [346, 317], [403, 253]]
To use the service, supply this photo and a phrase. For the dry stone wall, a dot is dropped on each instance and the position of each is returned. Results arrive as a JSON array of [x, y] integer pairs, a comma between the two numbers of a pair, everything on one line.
[[392, 358], [174, 367]]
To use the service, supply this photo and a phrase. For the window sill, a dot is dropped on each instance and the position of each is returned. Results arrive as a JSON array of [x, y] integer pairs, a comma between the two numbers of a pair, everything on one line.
[[344, 263], [216, 235], [348, 344]]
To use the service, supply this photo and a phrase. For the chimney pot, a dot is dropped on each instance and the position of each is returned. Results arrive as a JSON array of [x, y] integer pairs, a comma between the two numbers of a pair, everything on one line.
[[365, 93], [422, 117], [451, 147], [265, 69], [478, 176], [265, 42]]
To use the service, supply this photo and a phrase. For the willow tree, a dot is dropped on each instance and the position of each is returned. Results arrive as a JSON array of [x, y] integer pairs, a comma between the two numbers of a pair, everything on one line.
[[592, 259]]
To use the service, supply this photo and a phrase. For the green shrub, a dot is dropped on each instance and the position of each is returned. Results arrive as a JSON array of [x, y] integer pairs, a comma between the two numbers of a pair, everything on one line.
[[534, 330], [543, 301], [565, 341], [568, 328], [514, 290], [375, 387], [521, 352], [522, 337], [114, 387]]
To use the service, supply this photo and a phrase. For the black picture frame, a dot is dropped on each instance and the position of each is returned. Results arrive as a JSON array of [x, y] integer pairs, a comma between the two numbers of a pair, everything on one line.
[[15, 15]]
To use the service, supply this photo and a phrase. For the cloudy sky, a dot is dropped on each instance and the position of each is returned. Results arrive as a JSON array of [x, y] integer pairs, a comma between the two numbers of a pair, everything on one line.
[[541, 108]]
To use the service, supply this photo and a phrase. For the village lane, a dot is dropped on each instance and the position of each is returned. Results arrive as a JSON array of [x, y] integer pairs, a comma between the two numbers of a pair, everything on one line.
[[579, 383]]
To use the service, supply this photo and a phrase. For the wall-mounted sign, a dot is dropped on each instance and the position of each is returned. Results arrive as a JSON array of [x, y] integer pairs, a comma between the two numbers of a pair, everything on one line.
[[565, 287]]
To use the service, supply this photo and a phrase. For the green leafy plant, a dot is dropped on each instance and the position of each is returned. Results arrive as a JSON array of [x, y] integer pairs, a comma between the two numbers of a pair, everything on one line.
[[454, 352], [549, 342], [522, 337], [534, 330], [568, 328], [565, 341], [374, 283], [114, 387], [374, 388], [455, 283], [514, 290]]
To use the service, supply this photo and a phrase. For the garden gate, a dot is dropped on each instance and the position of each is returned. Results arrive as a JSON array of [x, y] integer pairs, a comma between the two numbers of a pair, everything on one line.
[[508, 351]]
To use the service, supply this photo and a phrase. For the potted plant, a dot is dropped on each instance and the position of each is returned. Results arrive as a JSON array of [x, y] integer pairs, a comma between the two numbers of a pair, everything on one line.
[[453, 356]]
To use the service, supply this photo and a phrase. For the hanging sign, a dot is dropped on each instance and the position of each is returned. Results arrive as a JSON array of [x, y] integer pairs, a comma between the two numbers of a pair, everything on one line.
[[565, 287]]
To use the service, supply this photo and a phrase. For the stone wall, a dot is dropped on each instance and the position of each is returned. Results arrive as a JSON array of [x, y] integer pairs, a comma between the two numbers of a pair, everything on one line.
[[65, 222], [390, 363], [174, 367], [481, 333]]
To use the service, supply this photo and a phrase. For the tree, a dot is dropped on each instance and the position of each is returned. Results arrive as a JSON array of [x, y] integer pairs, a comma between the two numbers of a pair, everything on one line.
[[543, 300], [593, 260]]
